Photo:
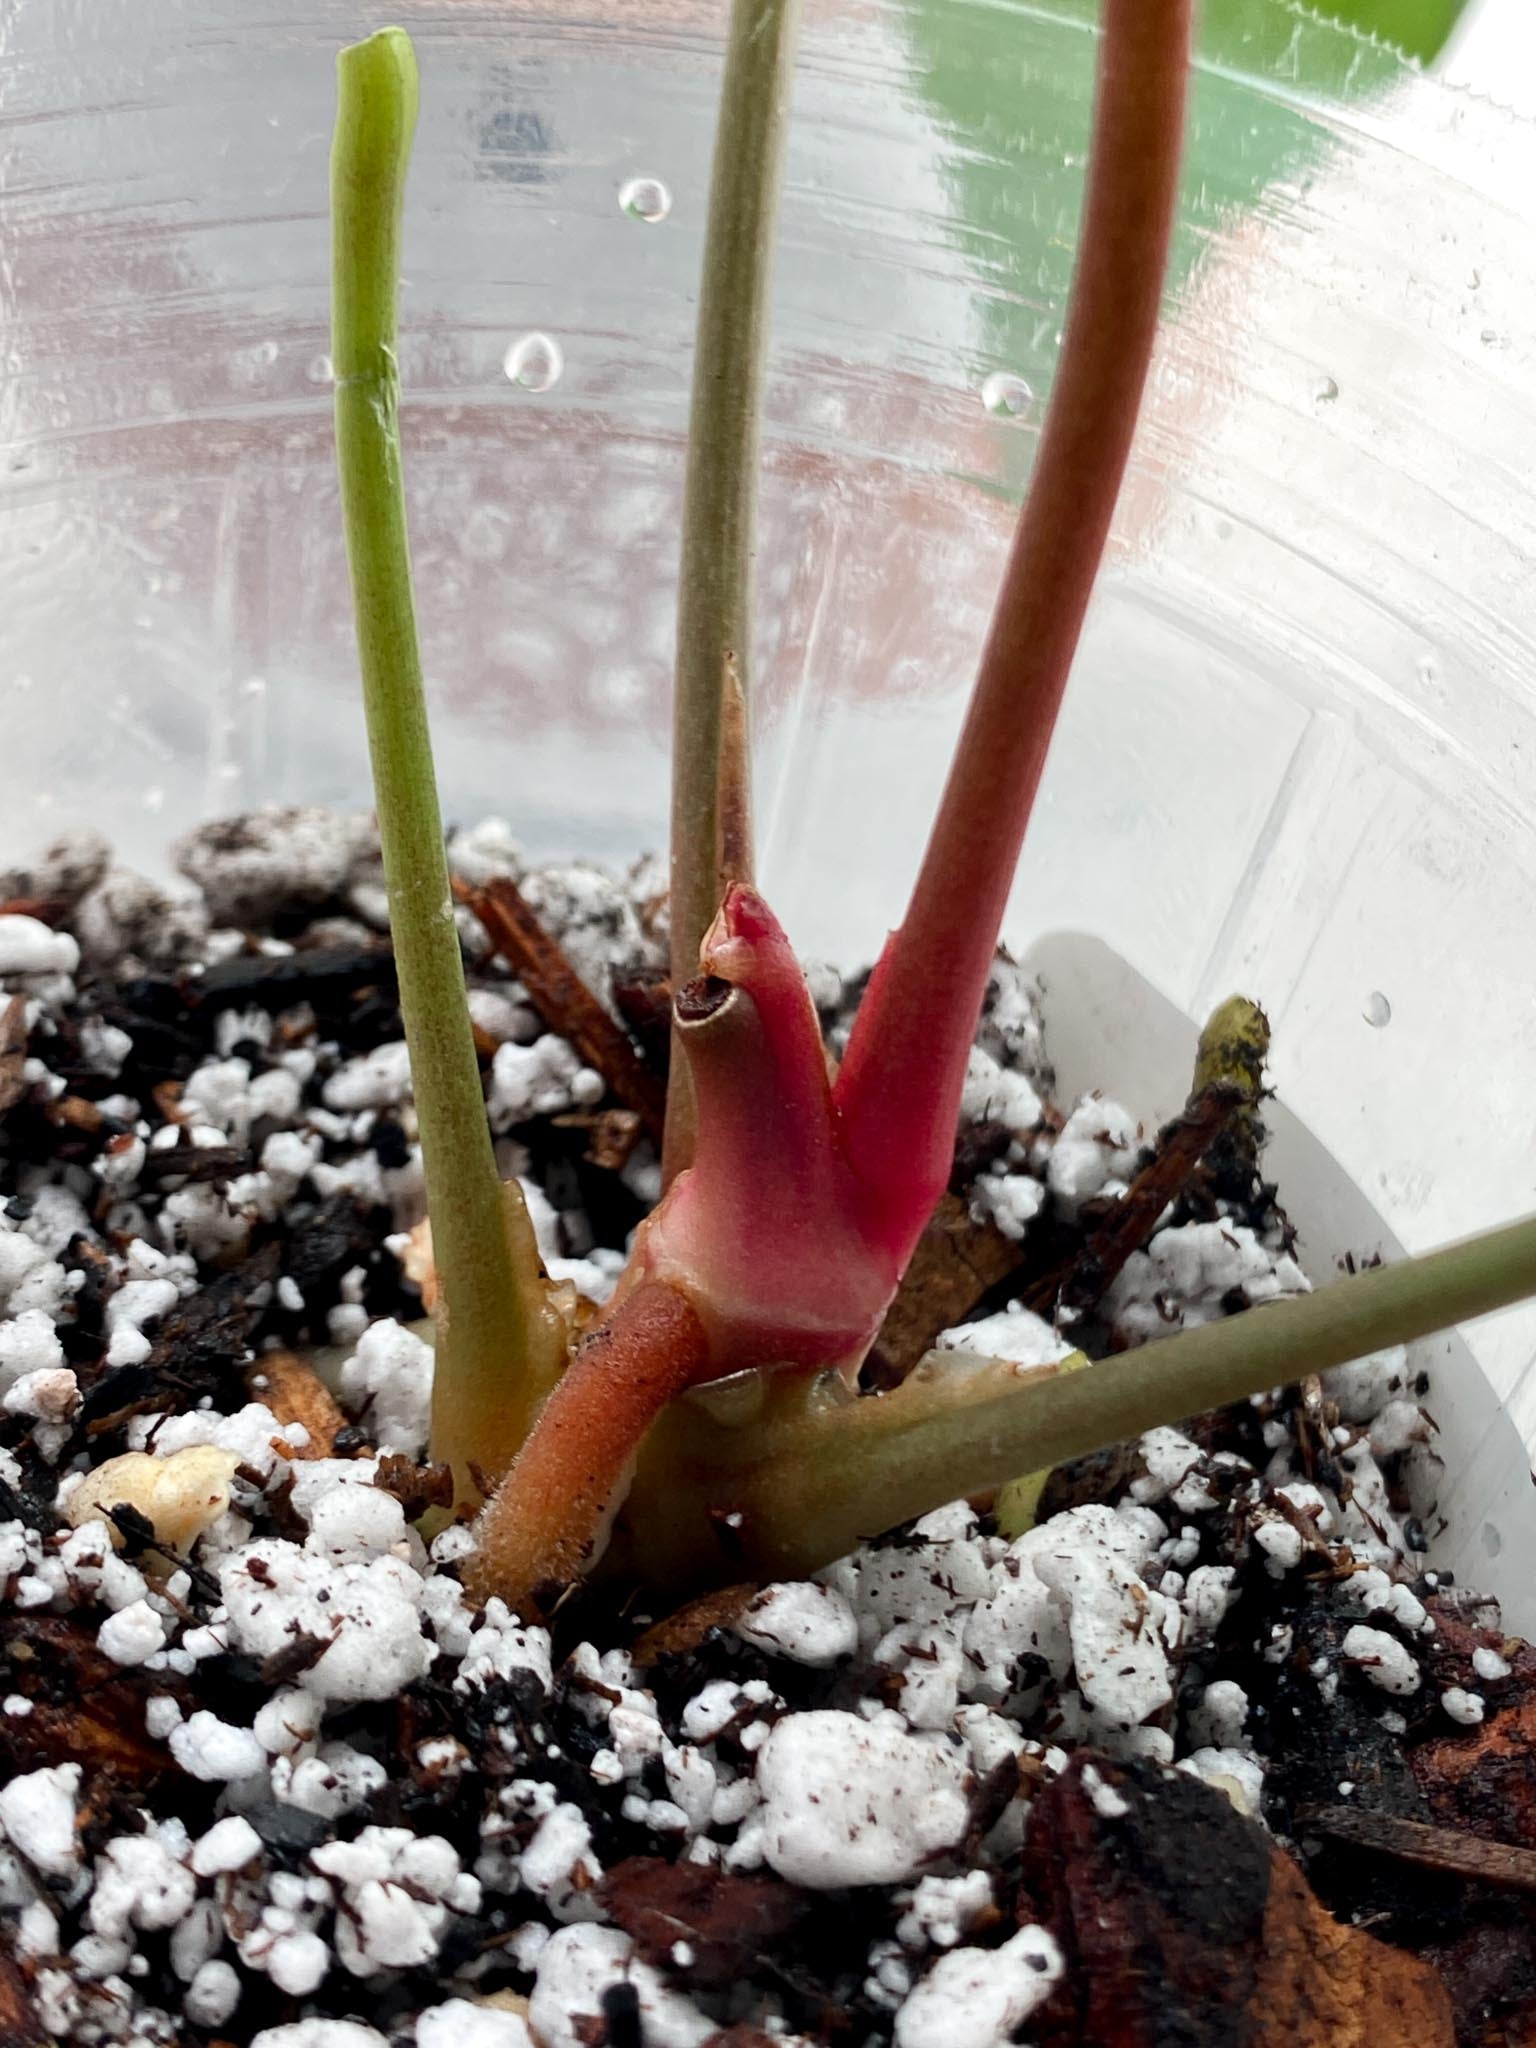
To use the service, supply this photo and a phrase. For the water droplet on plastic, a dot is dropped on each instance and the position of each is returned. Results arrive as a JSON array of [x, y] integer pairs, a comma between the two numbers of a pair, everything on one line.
[[321, 370], [1006, 395], [645, 199], [1427, 671], [534, 362], [1377, 1011], [1493, 1542], [250, 365], [1327, 391]]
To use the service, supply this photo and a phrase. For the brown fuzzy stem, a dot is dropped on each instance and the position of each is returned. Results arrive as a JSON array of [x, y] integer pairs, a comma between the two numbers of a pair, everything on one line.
[[1181, 1145], [547, 1522]]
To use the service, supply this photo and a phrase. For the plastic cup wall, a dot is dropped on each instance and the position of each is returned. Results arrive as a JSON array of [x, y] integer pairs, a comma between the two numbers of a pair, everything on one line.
[[1299, 754]]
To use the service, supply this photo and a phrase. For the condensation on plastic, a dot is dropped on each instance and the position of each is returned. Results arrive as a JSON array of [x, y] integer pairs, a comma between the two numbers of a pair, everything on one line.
[[1299, 753]]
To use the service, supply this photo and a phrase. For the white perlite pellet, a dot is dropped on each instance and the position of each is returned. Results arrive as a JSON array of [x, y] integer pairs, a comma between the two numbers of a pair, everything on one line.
[[979, 1998], [1107, 1803], [398, 1890], [375, 1080], [1014, 1333], [368, 1614], [37, 1812], [132, 1635], [28, 946], [320, 2034], [1382, 1659], [1233, 1772], [542, 1079], [142, 1882], [212, 1995], [211, 1749], [228, 1845], [1462, 1706], [461, 2024], [940, 1910], [804, 1622], [579, 1964], [846, 1802], [389, 1379], [1094, 1152]]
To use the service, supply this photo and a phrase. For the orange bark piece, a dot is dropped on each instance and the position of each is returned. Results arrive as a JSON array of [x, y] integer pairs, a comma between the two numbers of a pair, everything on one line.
[[295, 1392], [13, 1052], [957, 1262], [1483, 1779], [678, 1634], [1182, 1921], [418, 1488], [84, 1708], [20, 2024], [1322, 1985], [727, 1919]]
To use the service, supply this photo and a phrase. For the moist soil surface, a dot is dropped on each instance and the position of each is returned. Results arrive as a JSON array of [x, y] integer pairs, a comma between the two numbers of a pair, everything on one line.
[[1192, 1745]]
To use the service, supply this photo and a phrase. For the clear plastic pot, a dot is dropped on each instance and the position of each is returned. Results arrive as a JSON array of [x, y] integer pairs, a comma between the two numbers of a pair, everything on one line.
[[1300, 749]]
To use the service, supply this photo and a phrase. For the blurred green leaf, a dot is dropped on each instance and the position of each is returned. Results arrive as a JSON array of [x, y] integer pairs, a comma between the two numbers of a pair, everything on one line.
[[1008, 84], [1419, 28]]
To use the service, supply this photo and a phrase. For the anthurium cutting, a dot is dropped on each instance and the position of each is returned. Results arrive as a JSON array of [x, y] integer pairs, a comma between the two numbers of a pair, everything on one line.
[[795, 1195]]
